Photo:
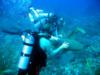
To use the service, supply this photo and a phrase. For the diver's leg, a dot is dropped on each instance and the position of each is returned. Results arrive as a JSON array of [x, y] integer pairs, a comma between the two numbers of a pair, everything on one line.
[[72, 34]]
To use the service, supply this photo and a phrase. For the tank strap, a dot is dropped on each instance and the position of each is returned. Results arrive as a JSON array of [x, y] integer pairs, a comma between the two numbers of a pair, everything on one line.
[[27, 55], [27, 44]]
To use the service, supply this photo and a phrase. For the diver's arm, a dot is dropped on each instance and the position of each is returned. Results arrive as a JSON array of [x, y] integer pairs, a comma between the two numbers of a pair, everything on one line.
[[46, 45], [60, 49], [74, 45]]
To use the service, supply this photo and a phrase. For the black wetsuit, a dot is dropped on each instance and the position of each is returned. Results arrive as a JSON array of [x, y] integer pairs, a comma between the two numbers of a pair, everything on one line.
[[37, 59]]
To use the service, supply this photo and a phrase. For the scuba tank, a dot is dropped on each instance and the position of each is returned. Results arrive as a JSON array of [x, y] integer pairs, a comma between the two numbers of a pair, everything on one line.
[[28, 41]]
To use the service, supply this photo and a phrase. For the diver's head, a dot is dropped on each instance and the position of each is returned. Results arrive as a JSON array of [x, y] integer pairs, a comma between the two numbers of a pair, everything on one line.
[[57, 25], [52, 18], [50, 25], [53, 25]]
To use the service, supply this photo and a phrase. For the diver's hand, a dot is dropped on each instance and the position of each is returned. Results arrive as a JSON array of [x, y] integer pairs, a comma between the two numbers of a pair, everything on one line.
[[61, 48], [65, 45]]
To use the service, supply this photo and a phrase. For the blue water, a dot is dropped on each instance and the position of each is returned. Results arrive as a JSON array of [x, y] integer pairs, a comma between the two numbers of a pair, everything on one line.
[[69, 7], [84, 14]]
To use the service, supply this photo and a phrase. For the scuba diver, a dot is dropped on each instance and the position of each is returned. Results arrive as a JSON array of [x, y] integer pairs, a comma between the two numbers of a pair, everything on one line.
[[37, 45], [37, 42]]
